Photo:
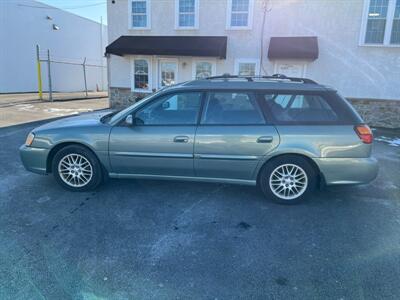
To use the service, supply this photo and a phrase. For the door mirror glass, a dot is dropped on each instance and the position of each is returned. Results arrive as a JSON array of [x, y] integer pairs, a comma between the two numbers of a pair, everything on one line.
[[129, 120], [166, 105], [132, 121]]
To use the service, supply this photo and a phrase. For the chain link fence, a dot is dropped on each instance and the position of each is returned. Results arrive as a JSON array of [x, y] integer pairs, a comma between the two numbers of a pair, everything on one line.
[[83, 77]]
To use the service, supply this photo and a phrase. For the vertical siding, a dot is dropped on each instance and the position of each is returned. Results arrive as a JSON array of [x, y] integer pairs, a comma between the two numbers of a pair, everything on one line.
[[22, 27]]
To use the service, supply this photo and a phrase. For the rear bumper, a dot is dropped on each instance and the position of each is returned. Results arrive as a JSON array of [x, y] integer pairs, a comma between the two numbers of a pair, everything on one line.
[[348, 170], [34, 159]]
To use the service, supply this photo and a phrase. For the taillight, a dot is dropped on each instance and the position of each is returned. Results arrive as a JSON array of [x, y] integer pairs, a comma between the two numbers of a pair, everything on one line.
[[364, 133]]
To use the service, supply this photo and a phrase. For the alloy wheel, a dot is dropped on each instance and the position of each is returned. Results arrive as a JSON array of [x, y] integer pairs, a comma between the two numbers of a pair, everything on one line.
[[288, 181], [75, 170]]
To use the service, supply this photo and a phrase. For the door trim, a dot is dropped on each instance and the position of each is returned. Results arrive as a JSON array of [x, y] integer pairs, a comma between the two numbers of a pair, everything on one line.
[[150, 154], [227, 157]]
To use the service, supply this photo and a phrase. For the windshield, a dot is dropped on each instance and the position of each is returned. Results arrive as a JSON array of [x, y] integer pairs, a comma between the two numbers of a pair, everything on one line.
[[123, 112]]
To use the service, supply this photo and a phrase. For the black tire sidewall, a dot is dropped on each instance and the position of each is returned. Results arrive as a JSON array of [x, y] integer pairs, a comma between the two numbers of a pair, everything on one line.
[[271, 165], [97, 171]]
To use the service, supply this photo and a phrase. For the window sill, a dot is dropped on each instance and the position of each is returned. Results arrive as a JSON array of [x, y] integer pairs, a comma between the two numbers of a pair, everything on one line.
[[380, 45], [238, 28], [142, 91], [139, 28], [186, 28]]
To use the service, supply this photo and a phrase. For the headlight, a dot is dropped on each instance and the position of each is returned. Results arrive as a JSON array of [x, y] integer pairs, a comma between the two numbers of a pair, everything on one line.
[[29, 139]]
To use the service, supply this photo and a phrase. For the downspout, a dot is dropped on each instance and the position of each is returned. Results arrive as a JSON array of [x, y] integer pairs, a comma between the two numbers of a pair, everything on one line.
[[265, 10], [108, 79]]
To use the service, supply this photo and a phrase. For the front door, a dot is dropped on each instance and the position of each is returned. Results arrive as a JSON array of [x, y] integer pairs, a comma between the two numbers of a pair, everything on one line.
[[291, 68], [232, 136], [160, 142], [168, 72]]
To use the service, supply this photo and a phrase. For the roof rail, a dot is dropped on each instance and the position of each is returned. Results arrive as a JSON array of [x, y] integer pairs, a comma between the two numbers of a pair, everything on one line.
[[295, 79], [278, 77], [228, 76]]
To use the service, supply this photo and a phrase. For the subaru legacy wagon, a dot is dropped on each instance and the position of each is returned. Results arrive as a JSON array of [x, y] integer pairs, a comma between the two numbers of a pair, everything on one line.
[[288, 136]]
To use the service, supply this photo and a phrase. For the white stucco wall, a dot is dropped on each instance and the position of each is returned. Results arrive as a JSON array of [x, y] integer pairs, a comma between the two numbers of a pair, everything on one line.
[[356, 71], [22, 27]]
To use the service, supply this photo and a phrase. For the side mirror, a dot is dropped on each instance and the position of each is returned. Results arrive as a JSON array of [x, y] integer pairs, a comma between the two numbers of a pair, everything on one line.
[[166, 105], [129, 120]]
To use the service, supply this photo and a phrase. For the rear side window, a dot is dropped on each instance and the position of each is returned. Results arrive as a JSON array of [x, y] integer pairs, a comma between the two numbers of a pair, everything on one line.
[[301, 108], [232, 108]]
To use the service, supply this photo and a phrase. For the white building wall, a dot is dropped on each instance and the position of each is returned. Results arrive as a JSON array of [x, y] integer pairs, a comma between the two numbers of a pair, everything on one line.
[[22, 27], [356, 71]]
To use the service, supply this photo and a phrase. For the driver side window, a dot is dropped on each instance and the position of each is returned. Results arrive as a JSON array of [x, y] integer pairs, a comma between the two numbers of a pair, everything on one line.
[[173, 109]]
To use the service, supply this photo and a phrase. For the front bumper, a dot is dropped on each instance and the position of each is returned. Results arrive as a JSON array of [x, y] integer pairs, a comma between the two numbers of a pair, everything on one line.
[[34, 159], [348, 170]]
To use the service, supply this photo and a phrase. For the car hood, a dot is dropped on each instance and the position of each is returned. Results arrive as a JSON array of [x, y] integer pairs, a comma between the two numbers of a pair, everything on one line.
[[84, 120]]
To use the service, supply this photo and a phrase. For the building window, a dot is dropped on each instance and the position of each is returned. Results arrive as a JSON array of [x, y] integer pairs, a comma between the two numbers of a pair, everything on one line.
[[203, 69], [140, 14], [141, 74], [395, 36], [187, 12], [240, 14], [381, 22], [247, 67], [376, 23]]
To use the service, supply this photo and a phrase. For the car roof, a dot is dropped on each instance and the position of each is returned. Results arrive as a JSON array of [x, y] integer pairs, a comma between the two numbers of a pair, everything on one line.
[[252, 83]]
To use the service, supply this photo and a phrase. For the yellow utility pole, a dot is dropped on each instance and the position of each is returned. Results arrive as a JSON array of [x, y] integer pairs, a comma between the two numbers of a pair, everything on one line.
[[39, 73]]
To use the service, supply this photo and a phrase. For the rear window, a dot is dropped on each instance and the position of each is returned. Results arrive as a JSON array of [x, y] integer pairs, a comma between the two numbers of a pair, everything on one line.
[[289, 108]]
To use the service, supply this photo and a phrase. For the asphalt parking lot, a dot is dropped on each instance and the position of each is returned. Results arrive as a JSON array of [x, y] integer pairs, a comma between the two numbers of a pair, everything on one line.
[[22, 108], [137, 239]]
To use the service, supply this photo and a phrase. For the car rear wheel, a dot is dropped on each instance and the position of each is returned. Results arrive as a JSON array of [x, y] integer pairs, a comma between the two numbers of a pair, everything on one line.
[[76, 168], [288, 179]]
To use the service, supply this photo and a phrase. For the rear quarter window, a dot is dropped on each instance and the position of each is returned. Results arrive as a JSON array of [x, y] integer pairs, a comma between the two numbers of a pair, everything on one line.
[[307, 108]]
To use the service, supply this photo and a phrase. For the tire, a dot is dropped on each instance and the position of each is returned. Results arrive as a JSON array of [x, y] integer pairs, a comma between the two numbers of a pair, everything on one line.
[[77, 169], [288, 179]]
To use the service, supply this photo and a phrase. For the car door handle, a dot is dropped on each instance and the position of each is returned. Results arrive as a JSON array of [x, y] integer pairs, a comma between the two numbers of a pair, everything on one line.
[[265, 139], [181, 139]]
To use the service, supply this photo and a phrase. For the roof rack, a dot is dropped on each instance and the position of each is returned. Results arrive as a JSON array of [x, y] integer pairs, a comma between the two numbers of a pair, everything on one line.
[[275, 77]]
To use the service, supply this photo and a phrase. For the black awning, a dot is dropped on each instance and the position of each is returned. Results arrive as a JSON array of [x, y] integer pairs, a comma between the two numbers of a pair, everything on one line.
[[297, 47], [212, 46]]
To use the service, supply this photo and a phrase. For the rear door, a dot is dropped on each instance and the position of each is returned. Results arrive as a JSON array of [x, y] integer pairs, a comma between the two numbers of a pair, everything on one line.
[[232, 136]]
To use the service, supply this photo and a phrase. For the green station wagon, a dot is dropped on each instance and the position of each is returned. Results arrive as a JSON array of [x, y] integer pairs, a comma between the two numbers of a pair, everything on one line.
[[286, 135]]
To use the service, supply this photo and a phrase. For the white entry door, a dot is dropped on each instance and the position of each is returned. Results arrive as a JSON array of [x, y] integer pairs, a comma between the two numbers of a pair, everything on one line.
[[168, 72], [290, 69]]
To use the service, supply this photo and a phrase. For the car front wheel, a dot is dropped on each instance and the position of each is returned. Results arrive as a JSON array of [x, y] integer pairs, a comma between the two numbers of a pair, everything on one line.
[[287, 179], [76, 168]]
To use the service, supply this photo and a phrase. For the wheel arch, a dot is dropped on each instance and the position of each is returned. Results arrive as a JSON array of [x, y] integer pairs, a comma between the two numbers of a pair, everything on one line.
[[320, 175], [62, 145]]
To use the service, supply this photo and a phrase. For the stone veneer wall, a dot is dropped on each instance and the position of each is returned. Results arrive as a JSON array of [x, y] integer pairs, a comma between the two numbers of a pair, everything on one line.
[[376, 113], [123, 97]]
